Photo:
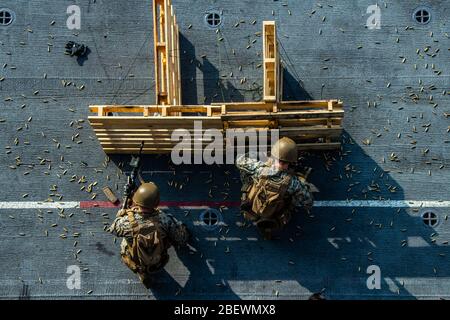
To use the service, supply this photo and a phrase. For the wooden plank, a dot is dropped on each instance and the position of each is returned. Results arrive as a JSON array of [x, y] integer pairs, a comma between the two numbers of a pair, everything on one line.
[[155, 148], [153, 122], [278, 76], [246, 106], [165, 139], [323, 103], [174, 58], [215, 110], [321, 131], [155, 49], [248, 123], [155, 125], [106, 136], [150, 143], [181, 121], [300, 146], [126, 129], [299, 107], [284, 105], [330, 105], [312, 102], [308, 122], [301, 141], [168, 55], [283, 115], [100, 111], [160, 50], [165, 150], [270, 61], [141, 131], [126, 119], [120, 150], [330, 108], [162, 95]]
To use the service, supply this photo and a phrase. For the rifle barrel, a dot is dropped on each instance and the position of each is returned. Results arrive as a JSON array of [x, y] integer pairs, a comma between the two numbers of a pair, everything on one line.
[[132, 178]]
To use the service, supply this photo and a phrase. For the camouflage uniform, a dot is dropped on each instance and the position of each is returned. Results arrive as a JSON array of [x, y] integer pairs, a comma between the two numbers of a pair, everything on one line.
[[298, 192], [173, 232]]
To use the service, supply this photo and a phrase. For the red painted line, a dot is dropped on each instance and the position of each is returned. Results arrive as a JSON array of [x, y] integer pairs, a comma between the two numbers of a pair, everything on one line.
[[97, 204], [106, 204]]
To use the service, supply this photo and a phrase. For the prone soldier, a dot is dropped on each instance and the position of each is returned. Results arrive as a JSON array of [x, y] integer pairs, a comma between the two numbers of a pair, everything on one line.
[[272, 191]]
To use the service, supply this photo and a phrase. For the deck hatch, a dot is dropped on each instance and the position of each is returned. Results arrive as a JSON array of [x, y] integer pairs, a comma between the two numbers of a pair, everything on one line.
[[210, 219], [213, 19], [6, 17], [430, 218], [422, 15]]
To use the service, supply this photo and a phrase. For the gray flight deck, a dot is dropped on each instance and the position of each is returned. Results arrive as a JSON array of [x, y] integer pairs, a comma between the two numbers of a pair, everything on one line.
[[394, 147]]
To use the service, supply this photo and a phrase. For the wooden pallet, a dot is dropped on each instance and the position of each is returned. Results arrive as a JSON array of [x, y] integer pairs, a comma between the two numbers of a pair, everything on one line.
[[166, 49], [271, 61], [314, 125]]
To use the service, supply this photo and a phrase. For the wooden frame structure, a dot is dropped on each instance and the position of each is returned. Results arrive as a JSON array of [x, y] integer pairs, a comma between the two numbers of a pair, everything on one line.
[[167, 54], [314, 125], [273, 81]]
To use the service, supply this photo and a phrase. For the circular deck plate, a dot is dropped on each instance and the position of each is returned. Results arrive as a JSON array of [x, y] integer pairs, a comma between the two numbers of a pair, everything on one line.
[[213, 18], [7, 16], [430, 217], [210, 219], [422, 15]]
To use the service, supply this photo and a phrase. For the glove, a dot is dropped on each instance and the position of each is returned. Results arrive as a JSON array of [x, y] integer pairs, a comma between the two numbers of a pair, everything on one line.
[[75, 49]]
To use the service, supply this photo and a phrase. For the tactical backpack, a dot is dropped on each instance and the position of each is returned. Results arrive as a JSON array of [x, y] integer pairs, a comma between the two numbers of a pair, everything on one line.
[[148, 251], [268, 197]]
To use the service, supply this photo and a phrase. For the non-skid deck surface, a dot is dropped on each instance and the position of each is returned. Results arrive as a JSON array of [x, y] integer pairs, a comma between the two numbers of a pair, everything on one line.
[[395, 146]]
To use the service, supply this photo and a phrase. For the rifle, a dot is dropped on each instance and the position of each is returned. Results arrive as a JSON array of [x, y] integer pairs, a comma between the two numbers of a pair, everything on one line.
[[304, 176], [131, 185]]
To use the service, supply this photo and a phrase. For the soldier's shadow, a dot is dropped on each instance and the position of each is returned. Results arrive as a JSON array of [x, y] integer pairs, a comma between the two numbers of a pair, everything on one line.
[[182, 278]]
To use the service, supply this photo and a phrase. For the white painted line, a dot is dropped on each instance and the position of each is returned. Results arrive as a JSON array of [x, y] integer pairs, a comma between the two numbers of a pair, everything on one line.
[[194, 207], [383, 204], [39, 205], [319, 204]]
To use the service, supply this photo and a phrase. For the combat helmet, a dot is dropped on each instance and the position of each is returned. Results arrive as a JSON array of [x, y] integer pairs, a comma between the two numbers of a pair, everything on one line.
[[147, 195], [285, 149]]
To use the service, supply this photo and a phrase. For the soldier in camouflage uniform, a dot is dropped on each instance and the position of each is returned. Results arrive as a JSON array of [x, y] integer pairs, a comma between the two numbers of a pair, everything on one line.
[[147, 233], [271, 191]]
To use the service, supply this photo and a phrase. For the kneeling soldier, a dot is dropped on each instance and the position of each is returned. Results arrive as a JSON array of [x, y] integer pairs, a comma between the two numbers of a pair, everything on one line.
[[147, 233], [272, 191]]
